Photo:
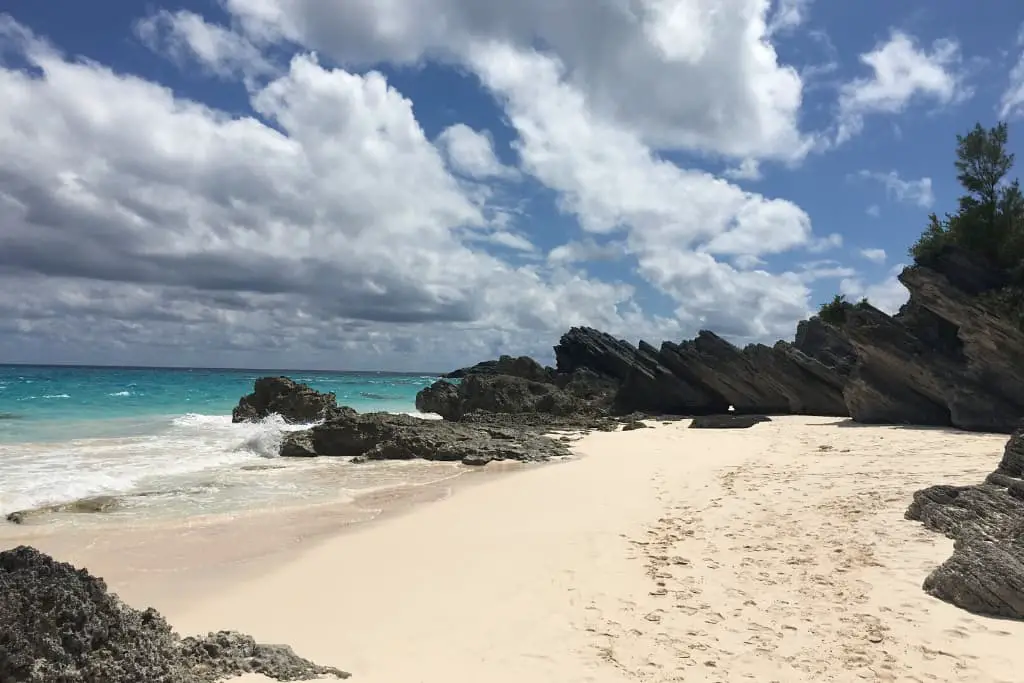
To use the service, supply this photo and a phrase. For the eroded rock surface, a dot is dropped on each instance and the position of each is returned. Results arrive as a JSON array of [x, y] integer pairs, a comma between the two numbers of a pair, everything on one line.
[[383, 436], [60, 624], [949, 357], [985, 574], [297, 403], [497, 394]]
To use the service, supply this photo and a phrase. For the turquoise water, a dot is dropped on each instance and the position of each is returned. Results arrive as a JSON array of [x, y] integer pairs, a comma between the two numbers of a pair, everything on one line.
[[71, 432]]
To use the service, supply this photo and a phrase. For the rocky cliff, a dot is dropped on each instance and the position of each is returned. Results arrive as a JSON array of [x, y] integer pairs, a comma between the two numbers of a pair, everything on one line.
[[951, 356], [596, 372]]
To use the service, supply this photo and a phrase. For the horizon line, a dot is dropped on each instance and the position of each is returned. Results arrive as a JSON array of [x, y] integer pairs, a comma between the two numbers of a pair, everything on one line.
[[101, 366]]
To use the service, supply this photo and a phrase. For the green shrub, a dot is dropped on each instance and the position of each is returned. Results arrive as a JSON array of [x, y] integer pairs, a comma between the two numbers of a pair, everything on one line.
[[834, 312]]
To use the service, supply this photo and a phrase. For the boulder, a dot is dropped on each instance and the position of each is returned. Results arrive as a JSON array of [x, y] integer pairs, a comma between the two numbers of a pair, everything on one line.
[[495, 394], [60, 624], [729, 421], [383, 436], [297, 403], [985, 573]]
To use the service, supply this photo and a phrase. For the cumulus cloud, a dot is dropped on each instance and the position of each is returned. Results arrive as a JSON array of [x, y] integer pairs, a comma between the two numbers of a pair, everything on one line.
[[675, 220], [471, 153], [748, 169], [618, 55], [327, 226], [123, 204], [902, 73], [918, 192], [186, 37]]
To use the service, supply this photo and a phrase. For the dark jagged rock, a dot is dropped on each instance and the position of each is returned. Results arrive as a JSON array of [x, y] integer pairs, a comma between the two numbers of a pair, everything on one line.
[[827, 345], [383, 436], [758, 378], [496, 394], [985, 574], [706, 375], [950, 356], [634, 425], [523, 367], [727, 421], [295, 402], [59, 624], [645, 383]]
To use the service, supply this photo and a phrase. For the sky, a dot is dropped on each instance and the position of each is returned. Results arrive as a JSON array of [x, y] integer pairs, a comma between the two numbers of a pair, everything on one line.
[[423, 184]]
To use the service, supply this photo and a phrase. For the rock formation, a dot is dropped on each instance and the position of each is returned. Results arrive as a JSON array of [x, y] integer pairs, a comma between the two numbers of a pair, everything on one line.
[[496, 394], [295, 402], [59, 624], [523, 367], [985, 574], [727, 421], [950, 356], [382, 436], [596, 372]]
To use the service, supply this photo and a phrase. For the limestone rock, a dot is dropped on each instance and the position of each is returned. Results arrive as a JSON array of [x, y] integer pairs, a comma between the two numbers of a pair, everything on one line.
[[295, 402], [60, 624]]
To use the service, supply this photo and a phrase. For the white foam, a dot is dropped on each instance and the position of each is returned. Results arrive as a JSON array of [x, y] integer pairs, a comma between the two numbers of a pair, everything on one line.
[[36, 474], [122, 393]]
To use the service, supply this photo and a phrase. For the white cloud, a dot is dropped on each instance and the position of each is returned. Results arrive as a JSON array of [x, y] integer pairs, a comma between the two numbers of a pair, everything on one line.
[[874, 255], [618, 55], [471, 153], [136, 222], [902, 73], [587, 249], [887, 295], [748, 169], [821, 244], [674, 219], [918, 192], [874, 211], [1011, 103], [788, 15], [185, 36]]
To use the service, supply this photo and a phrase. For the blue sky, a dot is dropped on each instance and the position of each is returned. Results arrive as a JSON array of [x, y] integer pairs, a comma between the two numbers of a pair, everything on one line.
[[350, 184]]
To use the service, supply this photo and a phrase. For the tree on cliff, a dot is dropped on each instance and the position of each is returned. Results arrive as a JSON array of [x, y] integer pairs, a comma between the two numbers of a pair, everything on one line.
[[990, 217]]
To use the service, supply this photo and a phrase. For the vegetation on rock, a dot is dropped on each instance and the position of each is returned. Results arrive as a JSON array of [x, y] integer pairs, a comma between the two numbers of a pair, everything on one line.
[[834, 312], [989, 221]]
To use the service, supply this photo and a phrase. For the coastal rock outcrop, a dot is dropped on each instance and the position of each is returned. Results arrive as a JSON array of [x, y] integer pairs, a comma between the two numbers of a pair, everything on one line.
[[985, 574], [597, 373], [61, 624], [951, 356], [297, 403], [495, 394], [731, 421], [383, 436], [705, 376], [523, 367]]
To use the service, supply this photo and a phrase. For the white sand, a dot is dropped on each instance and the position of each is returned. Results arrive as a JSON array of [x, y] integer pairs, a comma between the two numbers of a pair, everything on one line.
[[778, 553]]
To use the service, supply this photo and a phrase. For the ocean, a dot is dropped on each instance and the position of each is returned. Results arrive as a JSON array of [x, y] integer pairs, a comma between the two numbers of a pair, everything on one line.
[[162, 441]]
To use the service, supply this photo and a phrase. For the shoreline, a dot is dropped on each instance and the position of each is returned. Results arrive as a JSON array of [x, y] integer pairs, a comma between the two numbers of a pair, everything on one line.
[[133, 555], [776, 553]]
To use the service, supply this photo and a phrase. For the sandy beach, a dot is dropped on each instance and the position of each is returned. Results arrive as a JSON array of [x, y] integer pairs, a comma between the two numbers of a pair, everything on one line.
[[777, 553]]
